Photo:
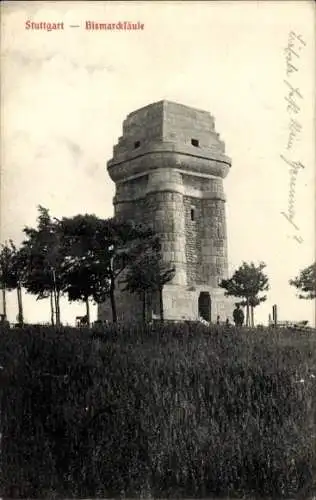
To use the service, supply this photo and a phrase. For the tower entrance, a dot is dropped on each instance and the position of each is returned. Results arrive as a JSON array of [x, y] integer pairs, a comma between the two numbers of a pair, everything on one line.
[[205, 306]]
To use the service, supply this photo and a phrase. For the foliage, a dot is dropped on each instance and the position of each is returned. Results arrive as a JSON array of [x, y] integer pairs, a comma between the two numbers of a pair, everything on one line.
[[149, 273], [8, 274], [5, 256], [168, 411], [247, 282], [305, 282], [86, 259], [43, 249], [44, 258], [97, 251], [12, 269], [81, 256]]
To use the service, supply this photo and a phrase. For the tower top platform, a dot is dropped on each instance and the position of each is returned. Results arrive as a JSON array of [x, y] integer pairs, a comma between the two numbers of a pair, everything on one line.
[[169, 128]]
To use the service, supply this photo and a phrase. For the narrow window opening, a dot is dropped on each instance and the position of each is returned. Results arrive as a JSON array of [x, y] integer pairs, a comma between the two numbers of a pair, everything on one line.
[[136, 144], [195, 143], [192, 212]]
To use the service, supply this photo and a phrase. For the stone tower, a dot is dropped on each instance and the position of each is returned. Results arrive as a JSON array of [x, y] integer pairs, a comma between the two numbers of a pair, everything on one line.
[[168, 168]]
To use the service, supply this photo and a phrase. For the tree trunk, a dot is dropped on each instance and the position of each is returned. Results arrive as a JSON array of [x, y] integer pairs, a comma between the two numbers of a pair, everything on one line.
[[55, 305], [58, 301], [144, 306], [112, 299], [247, 313], [57, 308], [56, 294], [20, 305], [52, 308], [88, 311], [161, 305], [4, 303], [252, 317]]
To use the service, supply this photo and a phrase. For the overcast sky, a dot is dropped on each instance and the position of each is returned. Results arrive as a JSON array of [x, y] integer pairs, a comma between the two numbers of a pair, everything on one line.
[[66, 93]]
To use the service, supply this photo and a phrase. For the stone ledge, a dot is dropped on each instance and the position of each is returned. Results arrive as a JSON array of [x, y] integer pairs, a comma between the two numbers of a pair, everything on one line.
[[181, 161], [208, 196], [170, 147]]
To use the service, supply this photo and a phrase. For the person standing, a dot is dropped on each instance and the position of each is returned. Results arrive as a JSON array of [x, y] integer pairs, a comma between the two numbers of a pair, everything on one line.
[[238, 316]]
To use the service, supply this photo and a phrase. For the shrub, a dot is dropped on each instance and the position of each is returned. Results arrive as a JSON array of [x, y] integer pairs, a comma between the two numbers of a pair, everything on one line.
[[164, 410]]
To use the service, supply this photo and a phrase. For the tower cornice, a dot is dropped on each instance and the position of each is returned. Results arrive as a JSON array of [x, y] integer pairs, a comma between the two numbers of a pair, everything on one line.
[[180, 157]]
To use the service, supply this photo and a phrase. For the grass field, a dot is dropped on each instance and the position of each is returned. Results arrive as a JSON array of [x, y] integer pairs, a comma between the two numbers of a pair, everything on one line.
[[179, 411]]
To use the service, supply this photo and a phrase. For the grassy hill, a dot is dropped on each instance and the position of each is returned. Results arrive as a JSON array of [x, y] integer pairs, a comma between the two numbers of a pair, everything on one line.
[[161, 411]]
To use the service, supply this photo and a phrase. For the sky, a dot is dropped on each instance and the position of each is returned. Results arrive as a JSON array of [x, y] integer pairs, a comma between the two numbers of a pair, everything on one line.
[[66, 92]]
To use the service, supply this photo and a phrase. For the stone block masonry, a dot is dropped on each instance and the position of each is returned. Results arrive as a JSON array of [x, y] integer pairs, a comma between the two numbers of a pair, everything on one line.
[[168, 168]]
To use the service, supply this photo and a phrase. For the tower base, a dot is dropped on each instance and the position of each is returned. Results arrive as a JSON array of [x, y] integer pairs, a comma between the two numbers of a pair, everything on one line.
[[180, 303]]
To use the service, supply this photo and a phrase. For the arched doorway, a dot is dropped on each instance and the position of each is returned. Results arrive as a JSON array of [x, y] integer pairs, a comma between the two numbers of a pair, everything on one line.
[[205, 306]]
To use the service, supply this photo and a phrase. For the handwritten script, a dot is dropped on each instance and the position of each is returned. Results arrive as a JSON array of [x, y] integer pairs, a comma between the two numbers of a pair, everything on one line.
[[293, 99]]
